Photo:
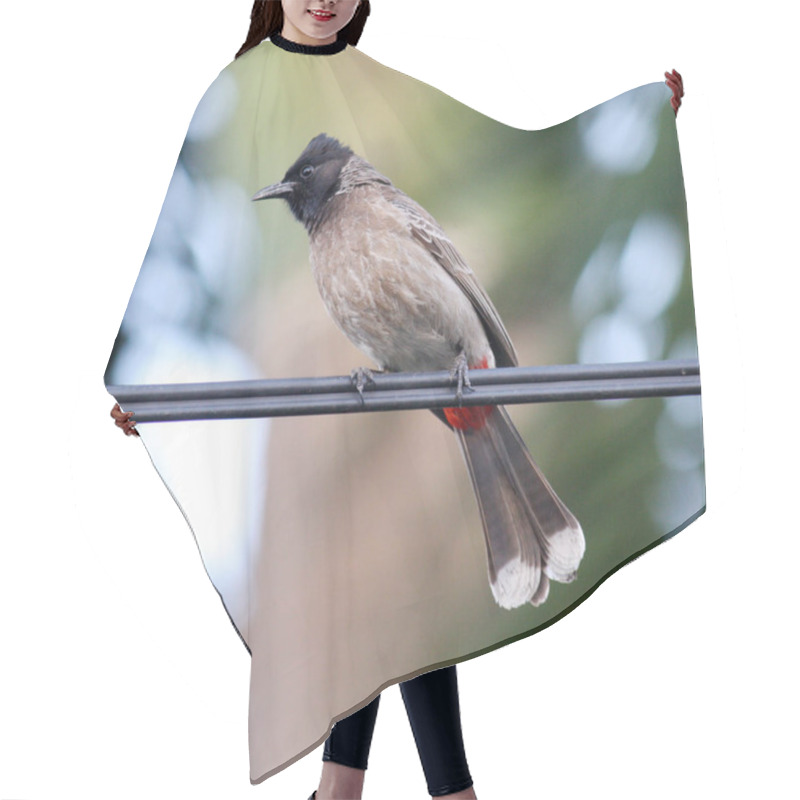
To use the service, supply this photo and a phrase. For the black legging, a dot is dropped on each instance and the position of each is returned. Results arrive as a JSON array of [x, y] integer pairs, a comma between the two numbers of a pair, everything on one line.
[[432, 706]]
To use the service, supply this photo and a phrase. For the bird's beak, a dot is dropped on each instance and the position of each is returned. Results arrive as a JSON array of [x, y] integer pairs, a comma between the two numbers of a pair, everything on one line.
[[283, 189]]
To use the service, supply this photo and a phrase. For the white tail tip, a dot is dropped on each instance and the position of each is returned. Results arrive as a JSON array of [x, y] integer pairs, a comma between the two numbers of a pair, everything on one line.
[[516, 584]]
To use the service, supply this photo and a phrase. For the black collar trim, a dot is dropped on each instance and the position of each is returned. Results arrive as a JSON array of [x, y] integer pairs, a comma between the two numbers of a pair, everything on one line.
[[308, 49]]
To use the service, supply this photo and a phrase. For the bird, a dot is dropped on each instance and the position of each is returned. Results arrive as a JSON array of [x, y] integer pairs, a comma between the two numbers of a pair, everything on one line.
[[397, 287]]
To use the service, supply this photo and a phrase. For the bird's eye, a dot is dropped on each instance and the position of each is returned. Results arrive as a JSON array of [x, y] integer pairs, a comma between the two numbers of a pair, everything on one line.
[[306, 171]]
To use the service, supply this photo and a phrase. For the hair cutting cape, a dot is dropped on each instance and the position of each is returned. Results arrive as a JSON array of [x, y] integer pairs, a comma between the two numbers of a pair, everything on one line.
[[347, 549]]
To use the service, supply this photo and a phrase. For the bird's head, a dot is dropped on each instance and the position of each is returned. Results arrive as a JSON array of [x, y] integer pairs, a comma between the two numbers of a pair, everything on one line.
[[312, 180]]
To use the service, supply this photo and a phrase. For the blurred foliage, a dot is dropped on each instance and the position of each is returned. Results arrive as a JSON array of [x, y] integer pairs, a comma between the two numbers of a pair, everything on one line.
[[527, 210]]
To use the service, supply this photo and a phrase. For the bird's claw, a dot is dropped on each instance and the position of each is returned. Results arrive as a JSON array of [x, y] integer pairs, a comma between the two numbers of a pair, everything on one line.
[[460, 374], [361, 377]]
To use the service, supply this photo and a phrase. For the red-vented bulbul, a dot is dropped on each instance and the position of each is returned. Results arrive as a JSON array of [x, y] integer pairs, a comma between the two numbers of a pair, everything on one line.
[[397, 287]]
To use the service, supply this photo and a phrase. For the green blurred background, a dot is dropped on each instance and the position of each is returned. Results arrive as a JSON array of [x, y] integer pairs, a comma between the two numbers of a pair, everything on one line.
[[578, 233]]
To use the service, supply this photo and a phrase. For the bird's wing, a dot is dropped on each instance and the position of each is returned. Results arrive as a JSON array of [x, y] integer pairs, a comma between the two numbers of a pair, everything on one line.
[[426, 230]]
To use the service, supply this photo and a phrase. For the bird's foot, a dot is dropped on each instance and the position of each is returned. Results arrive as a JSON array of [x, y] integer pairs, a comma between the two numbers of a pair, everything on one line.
[[361, 377], [460, 374]]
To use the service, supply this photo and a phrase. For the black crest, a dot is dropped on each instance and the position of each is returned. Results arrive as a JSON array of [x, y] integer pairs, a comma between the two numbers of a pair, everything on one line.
[[314, 177]]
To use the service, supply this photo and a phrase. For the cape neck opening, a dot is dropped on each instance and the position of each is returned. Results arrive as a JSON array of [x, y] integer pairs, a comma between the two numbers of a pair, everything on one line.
[[308, 49]]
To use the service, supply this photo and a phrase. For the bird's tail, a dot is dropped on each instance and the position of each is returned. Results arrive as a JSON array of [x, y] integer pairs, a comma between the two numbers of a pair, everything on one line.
[[531, 536]]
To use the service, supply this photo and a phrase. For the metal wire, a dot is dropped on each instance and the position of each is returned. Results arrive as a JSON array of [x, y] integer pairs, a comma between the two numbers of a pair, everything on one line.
[[395, 391]]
